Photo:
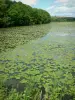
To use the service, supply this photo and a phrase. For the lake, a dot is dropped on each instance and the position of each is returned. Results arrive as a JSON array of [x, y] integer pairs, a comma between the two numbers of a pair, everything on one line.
[[45, 59]]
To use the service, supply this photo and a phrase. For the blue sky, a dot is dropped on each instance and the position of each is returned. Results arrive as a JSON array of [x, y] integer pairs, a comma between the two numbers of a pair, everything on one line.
[[43, 3], [54, 7]]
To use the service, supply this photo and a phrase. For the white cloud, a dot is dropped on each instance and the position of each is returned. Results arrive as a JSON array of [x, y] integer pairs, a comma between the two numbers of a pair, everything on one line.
[[29, 2], [62, 8]]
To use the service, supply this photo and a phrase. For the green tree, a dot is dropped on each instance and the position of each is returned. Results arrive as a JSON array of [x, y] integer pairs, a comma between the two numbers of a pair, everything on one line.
[[16, 13], [40, 16], [4, 6], [20, 14]]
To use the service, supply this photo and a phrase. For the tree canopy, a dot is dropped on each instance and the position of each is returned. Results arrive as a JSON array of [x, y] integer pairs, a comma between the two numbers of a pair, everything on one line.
[[16, 13]]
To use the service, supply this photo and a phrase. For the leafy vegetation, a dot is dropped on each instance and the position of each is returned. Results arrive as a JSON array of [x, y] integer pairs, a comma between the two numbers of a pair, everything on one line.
[[40, 16], [46, 62], [14, 36], [18, 14], [4, 6]]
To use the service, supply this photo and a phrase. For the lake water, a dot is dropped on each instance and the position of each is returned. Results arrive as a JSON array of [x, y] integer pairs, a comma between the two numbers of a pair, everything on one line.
[[47, 61]]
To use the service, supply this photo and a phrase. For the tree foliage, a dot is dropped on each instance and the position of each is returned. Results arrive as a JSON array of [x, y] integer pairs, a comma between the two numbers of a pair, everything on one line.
[[4, 6], [19, 14], [16, 13], [40, 16]]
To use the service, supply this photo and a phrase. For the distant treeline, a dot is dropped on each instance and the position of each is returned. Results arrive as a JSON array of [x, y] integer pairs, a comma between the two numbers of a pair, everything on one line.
[[62, 19], [14, 13]]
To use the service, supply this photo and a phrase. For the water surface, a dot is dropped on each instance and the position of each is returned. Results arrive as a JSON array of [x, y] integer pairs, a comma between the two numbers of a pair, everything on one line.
[[47, 61]]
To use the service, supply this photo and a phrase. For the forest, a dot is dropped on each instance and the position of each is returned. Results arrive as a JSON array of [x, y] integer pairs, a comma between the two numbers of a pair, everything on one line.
[[14, 13]]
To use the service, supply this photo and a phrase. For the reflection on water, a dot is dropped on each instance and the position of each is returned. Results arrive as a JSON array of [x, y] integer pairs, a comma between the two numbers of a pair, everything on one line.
[[58, 34], [65, 34]]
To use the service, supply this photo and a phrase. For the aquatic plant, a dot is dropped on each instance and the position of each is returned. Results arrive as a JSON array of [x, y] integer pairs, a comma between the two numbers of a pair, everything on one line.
[[47, 62]]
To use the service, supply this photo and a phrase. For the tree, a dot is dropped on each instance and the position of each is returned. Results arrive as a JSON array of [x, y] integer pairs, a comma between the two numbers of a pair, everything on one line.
[[20, 14], [40, 16], [16, 13], [4, 6]]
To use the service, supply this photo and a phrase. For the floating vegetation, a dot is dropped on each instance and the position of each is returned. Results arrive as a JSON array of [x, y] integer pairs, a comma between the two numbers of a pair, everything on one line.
[[48, 61]]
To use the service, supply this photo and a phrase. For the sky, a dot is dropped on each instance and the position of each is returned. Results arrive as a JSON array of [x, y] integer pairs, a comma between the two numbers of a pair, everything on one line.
[[54, 7]]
